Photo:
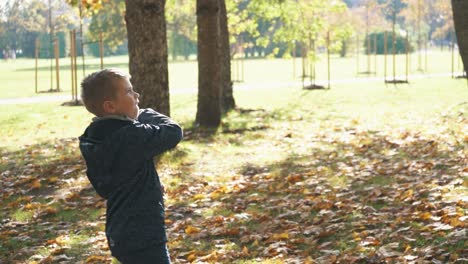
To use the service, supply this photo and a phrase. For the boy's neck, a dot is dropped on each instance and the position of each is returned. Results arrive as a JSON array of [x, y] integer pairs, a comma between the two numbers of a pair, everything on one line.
[[118, 117]]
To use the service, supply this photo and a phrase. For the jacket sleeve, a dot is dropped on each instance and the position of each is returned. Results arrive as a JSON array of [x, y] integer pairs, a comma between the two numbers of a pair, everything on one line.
[[156, 133]]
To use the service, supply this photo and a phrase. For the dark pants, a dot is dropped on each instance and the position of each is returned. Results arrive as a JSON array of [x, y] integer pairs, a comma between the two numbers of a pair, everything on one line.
[[157, 254]]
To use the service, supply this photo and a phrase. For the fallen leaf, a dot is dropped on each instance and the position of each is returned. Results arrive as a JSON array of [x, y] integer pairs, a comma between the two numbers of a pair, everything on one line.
[[192, 230]]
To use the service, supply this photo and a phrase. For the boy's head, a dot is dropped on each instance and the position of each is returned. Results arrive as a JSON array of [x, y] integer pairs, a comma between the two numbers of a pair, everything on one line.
[[109, 92]]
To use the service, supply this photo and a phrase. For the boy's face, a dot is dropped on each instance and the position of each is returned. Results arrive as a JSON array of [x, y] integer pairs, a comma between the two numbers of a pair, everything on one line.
[[126, 100]]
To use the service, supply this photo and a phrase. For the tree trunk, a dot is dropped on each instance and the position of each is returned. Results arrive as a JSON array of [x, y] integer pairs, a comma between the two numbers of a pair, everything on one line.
[[227, 102], [209, 72], [460, 17], [147, 48]]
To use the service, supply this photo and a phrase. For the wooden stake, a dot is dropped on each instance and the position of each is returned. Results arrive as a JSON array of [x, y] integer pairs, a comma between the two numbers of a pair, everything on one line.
[[328, 58], [385, 54], [72, 68], [394, 50], [304, 66], [407, 55], [311, 62], [313, 69], [453, 54], [294, 59], [37, 58], [419, 35], [357, 53], [375, 54], [101, 50], [57, 66], [75, 66], [425, 52], [368, 53]]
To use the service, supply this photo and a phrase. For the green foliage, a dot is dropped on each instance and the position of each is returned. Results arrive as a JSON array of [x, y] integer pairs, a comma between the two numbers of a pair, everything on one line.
[[302, 21], [181, 25], [109, 21], [24, 21], [45, 45], [179, 45], [400, 46]]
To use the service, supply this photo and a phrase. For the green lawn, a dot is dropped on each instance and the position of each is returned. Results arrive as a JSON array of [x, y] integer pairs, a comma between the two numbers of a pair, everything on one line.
[[374, 105], [18, 77], [364, 172]]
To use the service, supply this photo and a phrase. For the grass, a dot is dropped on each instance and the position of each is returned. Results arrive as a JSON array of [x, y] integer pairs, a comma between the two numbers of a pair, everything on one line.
[[287, 160], [18, 77]]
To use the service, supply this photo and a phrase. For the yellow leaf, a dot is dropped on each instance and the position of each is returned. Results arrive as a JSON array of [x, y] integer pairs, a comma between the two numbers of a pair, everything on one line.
[[245, 250], [192, 230], [50, 210], [293, 178], [96, 259], [455, 222], [281, 236], [425, 216], [198, 196], [407, 248], [255, 243], [36, 184], [51, 242], [408, 194], [53, 179], [29, 206], [192, 257], [72, 196], [215, 195], [356, 236]]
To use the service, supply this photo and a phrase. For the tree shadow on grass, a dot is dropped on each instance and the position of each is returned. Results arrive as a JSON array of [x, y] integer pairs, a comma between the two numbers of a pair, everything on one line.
[[354, 202], [238, 122]]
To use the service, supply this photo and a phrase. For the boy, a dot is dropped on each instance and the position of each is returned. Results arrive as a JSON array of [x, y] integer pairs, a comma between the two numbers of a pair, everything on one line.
[[119, 146]]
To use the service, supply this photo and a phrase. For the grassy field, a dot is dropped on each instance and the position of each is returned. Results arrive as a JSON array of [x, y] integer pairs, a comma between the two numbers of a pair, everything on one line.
[[18, 77], [363, 173]]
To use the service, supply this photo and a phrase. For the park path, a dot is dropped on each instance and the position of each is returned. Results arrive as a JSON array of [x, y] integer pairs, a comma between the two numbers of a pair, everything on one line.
[[237, 86]]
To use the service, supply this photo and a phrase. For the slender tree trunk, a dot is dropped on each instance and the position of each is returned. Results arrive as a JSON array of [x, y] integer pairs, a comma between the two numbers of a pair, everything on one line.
[[147, 48], [460, 17], [227, 102], [209, 71]]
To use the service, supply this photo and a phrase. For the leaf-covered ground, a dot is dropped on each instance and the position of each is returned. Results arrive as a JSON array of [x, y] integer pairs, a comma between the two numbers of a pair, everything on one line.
[[295, 184]]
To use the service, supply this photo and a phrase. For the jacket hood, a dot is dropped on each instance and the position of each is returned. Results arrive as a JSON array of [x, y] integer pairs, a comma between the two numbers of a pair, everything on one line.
[[97, 144]]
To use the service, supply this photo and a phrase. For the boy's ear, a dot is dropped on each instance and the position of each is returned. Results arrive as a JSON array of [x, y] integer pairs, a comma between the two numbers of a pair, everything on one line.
[[108, 107]]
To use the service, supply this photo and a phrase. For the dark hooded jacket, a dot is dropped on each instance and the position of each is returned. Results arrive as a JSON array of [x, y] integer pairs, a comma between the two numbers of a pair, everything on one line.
[[119, 157]]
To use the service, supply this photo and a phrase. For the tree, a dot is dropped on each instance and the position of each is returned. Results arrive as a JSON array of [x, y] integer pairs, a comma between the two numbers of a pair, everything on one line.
[[109, 21], [227, 102], [147, 46], [181, 24], [209, 73], [460, 17], [414, 16], [441, 19], [291, 20], [21, 22]]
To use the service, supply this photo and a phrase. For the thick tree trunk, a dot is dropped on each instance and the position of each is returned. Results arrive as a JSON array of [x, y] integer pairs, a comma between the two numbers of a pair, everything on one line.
[[147, 48], [227, 102], [460, 17], [209, 72]]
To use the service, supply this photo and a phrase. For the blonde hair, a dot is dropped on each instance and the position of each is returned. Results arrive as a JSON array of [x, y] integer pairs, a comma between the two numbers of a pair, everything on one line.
[[100, 86]]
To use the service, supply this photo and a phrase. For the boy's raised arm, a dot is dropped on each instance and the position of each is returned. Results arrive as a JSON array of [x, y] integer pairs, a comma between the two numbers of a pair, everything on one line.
[[158, 132]]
